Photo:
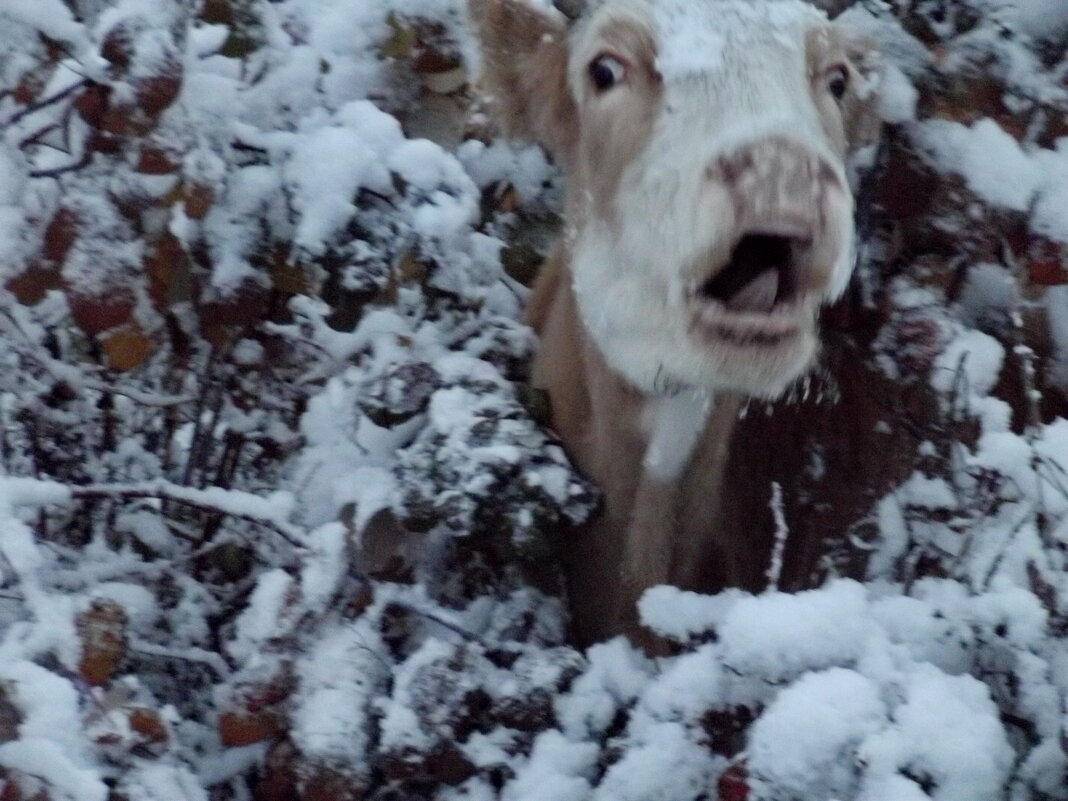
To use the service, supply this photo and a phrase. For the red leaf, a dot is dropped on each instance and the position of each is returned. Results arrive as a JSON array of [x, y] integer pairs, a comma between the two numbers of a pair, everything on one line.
[[733, 783]]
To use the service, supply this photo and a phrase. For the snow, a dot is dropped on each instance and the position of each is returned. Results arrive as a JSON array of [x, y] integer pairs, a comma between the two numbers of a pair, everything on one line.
[[1050, 213], [613, 679], [1000, 171], [164, 783], [45, 759], [665, 761], [779, 635], [49, 16], [260, 621], [558, 770], [342, 675], [681, 615], [804, 745], [970, 364], [897, 96], [941, 677], [674, 425], [991, 161], [947, 732]]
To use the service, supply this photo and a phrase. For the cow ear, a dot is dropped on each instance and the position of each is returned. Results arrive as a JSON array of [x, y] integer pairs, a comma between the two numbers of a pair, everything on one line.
[[524, 71], [860, 107]]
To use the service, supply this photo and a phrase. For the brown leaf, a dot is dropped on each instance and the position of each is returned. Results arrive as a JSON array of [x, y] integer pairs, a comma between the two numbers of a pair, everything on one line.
[[158, 93], [243, 306], [733, 783], [102, 631], [238, 728], [92, 104], [1047, 263], [60, 235], [155, 160], [168, 268], [30, 286], [430, 60], [148, 723], [198, 199], [127, 119], [328, 784], [117, 48], [127, 348], [95, 314]]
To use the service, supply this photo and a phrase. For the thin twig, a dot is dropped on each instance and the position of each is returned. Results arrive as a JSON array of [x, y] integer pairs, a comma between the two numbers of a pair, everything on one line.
[[138, 396], [186, 496], [199, 656], [782, 533], [40, 104], [198, 416], [55, 172]]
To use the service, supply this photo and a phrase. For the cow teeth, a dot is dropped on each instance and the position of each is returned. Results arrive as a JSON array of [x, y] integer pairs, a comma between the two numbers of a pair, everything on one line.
[[758, 295]]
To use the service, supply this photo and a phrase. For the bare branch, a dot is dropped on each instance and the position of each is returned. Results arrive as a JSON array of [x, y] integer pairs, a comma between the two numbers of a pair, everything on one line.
[[782, 532], [55, 172], [138, 396], [211, 500], [40, 104]]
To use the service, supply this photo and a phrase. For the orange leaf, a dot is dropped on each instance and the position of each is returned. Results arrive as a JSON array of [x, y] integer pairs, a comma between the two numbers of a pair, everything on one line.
[[102, 630], [245, 728], [127, 348]]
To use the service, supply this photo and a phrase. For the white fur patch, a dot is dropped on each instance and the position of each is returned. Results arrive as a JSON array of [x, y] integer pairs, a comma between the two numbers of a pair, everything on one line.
[[674, 425]]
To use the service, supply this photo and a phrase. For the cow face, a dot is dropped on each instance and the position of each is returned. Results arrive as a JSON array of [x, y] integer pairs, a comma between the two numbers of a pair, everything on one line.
[[705, 144]]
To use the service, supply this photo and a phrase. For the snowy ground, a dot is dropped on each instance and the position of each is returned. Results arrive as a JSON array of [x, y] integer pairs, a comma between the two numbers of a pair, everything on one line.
[[276, 500]]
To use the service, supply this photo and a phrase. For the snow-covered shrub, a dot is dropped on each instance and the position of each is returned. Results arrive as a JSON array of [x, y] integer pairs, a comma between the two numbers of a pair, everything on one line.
[[276, 505]]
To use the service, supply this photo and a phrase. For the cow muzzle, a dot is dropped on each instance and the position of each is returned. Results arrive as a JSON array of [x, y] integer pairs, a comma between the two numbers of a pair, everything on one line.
[[789, 208]]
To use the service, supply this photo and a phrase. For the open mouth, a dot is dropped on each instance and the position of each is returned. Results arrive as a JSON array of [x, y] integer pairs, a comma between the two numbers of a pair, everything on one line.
[[755, 298], [762, 273]]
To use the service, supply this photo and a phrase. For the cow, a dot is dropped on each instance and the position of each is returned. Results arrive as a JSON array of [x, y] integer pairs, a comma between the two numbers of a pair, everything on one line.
[[708, 216]]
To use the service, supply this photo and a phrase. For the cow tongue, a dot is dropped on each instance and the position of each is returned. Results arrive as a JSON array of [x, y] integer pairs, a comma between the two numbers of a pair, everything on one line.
[[758, 295]]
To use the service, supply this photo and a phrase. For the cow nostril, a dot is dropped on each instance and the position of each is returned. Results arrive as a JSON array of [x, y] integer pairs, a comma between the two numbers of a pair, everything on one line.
[[763, 272]]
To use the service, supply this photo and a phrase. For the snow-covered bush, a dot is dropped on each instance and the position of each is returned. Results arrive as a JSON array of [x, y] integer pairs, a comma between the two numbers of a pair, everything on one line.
[[277, 507]]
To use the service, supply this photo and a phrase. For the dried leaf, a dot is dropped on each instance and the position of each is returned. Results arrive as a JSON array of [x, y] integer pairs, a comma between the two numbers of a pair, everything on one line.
[[127, 348], [733, 783], [197, 199], [240, 728], [148, 723], [60, 235], [102, 631], [92, 104], [30, 286], [158, 93], [290, 279], [95, 314], [155, 160], [401, 41], [1047, 263], [169, 272]]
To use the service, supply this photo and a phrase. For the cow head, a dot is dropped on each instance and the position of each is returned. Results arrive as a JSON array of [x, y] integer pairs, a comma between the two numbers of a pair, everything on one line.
[[705, 144]]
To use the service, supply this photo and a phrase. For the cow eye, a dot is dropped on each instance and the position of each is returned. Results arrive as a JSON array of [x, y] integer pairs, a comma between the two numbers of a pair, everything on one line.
[[606, 71], [837, 81]]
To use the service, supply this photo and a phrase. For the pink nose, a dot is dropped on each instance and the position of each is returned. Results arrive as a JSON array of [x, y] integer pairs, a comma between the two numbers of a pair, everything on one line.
[[776, 183]]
